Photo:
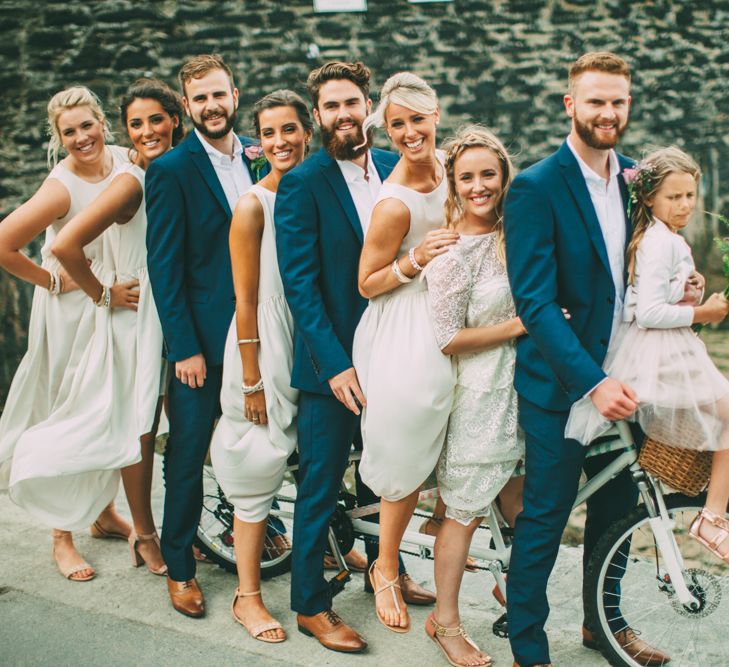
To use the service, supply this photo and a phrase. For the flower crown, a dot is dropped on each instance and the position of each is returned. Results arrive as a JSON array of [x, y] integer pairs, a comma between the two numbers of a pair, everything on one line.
[[640, 180]]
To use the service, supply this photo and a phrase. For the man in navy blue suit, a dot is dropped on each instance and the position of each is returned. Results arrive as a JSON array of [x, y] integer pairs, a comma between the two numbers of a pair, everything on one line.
[[566, 233], [322, 210], [191, 193]]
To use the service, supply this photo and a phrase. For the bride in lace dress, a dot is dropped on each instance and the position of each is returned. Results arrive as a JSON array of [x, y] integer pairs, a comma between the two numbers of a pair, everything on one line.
[[474, 318]]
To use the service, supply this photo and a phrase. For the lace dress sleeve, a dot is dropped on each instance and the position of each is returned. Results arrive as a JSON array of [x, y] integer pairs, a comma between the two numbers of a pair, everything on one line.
[[449, 287]]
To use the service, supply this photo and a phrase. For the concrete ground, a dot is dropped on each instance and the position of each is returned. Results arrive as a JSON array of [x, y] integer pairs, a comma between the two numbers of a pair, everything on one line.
[[123, 617]]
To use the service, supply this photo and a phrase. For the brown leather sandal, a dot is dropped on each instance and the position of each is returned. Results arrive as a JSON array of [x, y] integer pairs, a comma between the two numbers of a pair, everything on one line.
[[434, 630]]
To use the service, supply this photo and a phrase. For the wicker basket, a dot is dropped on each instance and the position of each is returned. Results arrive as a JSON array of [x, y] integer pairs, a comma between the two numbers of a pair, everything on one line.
[[686, 470]]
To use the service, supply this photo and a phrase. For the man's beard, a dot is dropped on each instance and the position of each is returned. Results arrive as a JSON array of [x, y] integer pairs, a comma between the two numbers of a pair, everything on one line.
[[349, 147], [588, 134], [217, 134]]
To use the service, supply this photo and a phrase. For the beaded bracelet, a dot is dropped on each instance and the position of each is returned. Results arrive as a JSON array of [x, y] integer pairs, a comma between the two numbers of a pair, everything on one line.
[[399, 274], [105, 298], [413, 261], [251, 389]]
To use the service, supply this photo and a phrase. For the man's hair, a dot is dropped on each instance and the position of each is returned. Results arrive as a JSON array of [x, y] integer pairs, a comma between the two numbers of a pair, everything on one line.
[[597, 61], [357, 73], [199, 66]]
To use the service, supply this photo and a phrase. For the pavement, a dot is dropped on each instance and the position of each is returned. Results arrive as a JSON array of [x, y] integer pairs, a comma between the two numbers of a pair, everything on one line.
[[123, 616]]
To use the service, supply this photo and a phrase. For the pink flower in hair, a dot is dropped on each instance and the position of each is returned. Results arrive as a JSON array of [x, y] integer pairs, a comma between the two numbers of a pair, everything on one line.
[[629, 175]]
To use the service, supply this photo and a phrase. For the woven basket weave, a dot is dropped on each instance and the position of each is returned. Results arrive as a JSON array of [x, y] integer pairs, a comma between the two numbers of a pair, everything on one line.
[[686, 470]]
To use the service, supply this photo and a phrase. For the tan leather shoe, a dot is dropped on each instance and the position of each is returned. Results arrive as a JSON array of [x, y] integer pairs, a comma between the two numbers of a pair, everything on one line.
[[413, 592], [633, 646], [186, 597], [356, 561], [331, 631]]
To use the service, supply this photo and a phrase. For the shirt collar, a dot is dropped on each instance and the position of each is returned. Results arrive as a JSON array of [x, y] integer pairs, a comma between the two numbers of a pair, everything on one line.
[[589, 174], [353, 172], [217, 155]]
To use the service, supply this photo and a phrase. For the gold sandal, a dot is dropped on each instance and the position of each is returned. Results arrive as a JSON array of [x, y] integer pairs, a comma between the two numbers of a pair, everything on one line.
[[721, 537], [391, 585], [257, 630], [434, 630]]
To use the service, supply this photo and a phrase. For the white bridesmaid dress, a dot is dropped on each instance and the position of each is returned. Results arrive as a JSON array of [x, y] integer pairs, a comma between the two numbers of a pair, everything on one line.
[[59, 330], [407, 381], [249, 459], [66, 468]]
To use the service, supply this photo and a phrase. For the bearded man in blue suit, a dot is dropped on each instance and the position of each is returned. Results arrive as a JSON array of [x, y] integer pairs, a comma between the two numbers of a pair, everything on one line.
[[322, 210], [190, 194], [567, 230]]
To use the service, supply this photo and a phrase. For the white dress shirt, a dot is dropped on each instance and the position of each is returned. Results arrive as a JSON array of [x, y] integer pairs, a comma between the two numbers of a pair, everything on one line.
[[663, 264], [363, 190], [230, 170], [608, 205]]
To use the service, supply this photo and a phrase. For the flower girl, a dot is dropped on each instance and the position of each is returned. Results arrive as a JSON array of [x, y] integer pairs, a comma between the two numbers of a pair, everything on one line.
[[683, 398]]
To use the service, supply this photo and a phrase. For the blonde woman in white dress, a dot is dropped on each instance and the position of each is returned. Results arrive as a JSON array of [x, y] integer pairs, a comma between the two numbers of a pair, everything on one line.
[[256, 433], [475, 320], [62, 318], [406, 381], [111, 412]]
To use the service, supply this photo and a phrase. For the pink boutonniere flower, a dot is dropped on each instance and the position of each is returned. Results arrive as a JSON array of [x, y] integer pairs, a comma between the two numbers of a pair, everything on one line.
[[258, 161], [629, 175]]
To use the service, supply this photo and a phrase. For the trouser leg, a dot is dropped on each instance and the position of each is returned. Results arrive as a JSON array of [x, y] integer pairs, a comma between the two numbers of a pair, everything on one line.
[[192, 413], [553, 467]]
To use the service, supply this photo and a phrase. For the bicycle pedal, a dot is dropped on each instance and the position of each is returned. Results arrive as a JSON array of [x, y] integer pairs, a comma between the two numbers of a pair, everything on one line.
[[339, 581], [501, 627]]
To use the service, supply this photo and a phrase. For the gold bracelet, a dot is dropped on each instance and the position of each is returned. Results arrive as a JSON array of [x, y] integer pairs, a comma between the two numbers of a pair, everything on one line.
[[243, 341]]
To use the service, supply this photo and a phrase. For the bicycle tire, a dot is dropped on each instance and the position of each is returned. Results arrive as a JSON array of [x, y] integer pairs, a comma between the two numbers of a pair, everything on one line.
[[647, 597], [215, 530]]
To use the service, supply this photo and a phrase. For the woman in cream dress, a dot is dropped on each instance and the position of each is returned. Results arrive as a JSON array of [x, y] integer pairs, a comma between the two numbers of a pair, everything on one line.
[[62, 317], [475, 320], [257, 430], [406, 381], [107, 423]]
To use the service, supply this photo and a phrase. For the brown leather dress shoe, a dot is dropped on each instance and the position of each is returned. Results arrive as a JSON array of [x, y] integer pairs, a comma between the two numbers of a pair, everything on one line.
[[633, 646], [331, 631], [186, 597], [412, 592]]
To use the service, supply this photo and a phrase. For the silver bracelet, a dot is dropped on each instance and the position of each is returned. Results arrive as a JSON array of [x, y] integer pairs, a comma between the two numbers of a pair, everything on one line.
[[399, 274], [251, 389], [55, 285], [243, 341], [105, 298], [413, 261]]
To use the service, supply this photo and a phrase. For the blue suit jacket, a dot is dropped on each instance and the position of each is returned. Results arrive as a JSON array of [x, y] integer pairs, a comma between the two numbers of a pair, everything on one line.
[[188, 220], [556, 258], [319, 241]]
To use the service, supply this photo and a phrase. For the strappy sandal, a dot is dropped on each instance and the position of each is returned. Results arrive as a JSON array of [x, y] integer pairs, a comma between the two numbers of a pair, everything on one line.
[[257, 630], [425, 529], [69, 572], [434, 630], [721, 537], [391, 585], [137, 558]]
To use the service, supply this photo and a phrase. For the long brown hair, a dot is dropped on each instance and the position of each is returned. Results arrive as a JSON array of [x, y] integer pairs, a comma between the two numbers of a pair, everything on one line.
[[651, 172], [476, 136]]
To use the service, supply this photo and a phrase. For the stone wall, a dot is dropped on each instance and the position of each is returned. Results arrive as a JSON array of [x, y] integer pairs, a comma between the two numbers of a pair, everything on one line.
[[500, 62]]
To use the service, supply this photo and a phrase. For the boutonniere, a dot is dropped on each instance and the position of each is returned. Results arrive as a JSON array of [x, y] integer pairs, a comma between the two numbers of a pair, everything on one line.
[[639, 180], [257, 160]]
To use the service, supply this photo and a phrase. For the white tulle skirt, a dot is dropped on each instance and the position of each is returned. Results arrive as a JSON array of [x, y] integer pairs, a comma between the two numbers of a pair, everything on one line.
[[684, 398]]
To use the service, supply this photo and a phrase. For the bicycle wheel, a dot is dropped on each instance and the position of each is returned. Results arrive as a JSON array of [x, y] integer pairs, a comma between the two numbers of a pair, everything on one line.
[[215, 530], [647, 600]]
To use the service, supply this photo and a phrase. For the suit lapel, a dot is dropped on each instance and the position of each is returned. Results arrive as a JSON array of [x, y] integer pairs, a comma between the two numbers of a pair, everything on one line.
[[577, 186], [201, 160], [625, 163], [334, 177]]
